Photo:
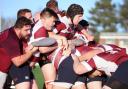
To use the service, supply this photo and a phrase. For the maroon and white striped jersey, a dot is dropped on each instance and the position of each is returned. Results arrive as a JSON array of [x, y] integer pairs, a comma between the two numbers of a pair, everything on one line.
[[63, 30], [38, 33], [41, 33], [106, 61], [57, 57]]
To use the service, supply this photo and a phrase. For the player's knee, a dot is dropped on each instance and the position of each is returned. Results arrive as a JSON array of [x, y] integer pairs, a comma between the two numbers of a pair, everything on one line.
[[106, 87], [78, 83], [63, 84], [94, 85]]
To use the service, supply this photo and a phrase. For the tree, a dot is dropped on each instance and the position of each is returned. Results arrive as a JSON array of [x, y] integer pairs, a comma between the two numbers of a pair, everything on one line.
[[124, 15], [103, 16], [6, 23]]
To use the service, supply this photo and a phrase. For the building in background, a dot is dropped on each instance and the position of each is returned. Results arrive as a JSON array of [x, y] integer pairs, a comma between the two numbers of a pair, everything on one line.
[[120, 39]]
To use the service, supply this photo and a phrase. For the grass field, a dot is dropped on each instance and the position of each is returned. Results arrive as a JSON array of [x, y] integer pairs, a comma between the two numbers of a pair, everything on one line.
[[39, 77]]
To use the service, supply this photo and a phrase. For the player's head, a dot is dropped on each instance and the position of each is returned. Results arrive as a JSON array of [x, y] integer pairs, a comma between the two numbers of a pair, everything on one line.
[[25, 13], [52, 4], [23, 25], [84, 23], [75, 13], [48, 16]]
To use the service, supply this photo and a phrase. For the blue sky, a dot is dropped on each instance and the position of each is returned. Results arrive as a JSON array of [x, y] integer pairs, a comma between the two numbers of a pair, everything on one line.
[[10, 7]]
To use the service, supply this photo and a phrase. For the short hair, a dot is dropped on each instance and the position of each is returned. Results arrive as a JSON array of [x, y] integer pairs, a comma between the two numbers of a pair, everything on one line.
[[22, 12], [48, 13], [22, 21], [84, 23], [73, 10], [52, 4]]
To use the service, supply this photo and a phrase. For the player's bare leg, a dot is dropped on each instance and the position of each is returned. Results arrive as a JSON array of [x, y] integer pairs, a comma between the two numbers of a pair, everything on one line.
[[79, 85], [49, 73]]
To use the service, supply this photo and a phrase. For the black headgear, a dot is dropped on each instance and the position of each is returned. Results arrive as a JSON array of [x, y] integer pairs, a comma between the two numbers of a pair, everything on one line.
[[74, 9], [84, 23]]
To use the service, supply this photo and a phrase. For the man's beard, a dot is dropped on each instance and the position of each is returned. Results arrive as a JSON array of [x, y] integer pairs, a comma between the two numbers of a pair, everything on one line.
[[26, 38]]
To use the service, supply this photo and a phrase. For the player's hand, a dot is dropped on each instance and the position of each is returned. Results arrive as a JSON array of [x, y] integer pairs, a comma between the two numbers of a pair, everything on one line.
[[67, 52], [31, 48], [34, 49], [28, 48], [59, 42], [65, 43], [95, 73], [32, 64]]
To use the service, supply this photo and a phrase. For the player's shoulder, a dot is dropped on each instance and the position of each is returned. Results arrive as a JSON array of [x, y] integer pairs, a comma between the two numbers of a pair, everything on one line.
[[37, 26], [4, 35], [41, 32]]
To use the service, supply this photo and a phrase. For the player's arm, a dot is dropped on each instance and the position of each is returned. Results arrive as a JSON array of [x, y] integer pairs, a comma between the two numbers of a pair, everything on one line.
[[90, 54], [47, 49], [80, 67], [87, 35], [58, 37], [76, 42], [42, 33], [21, 59]]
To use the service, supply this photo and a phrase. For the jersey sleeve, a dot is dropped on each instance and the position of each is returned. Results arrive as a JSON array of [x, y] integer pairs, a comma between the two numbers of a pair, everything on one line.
[[41, 33], [59, 26]]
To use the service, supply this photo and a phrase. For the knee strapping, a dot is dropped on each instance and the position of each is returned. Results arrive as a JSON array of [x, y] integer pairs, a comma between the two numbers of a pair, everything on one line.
[[78, 83], [63, 84], [49, 82]]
